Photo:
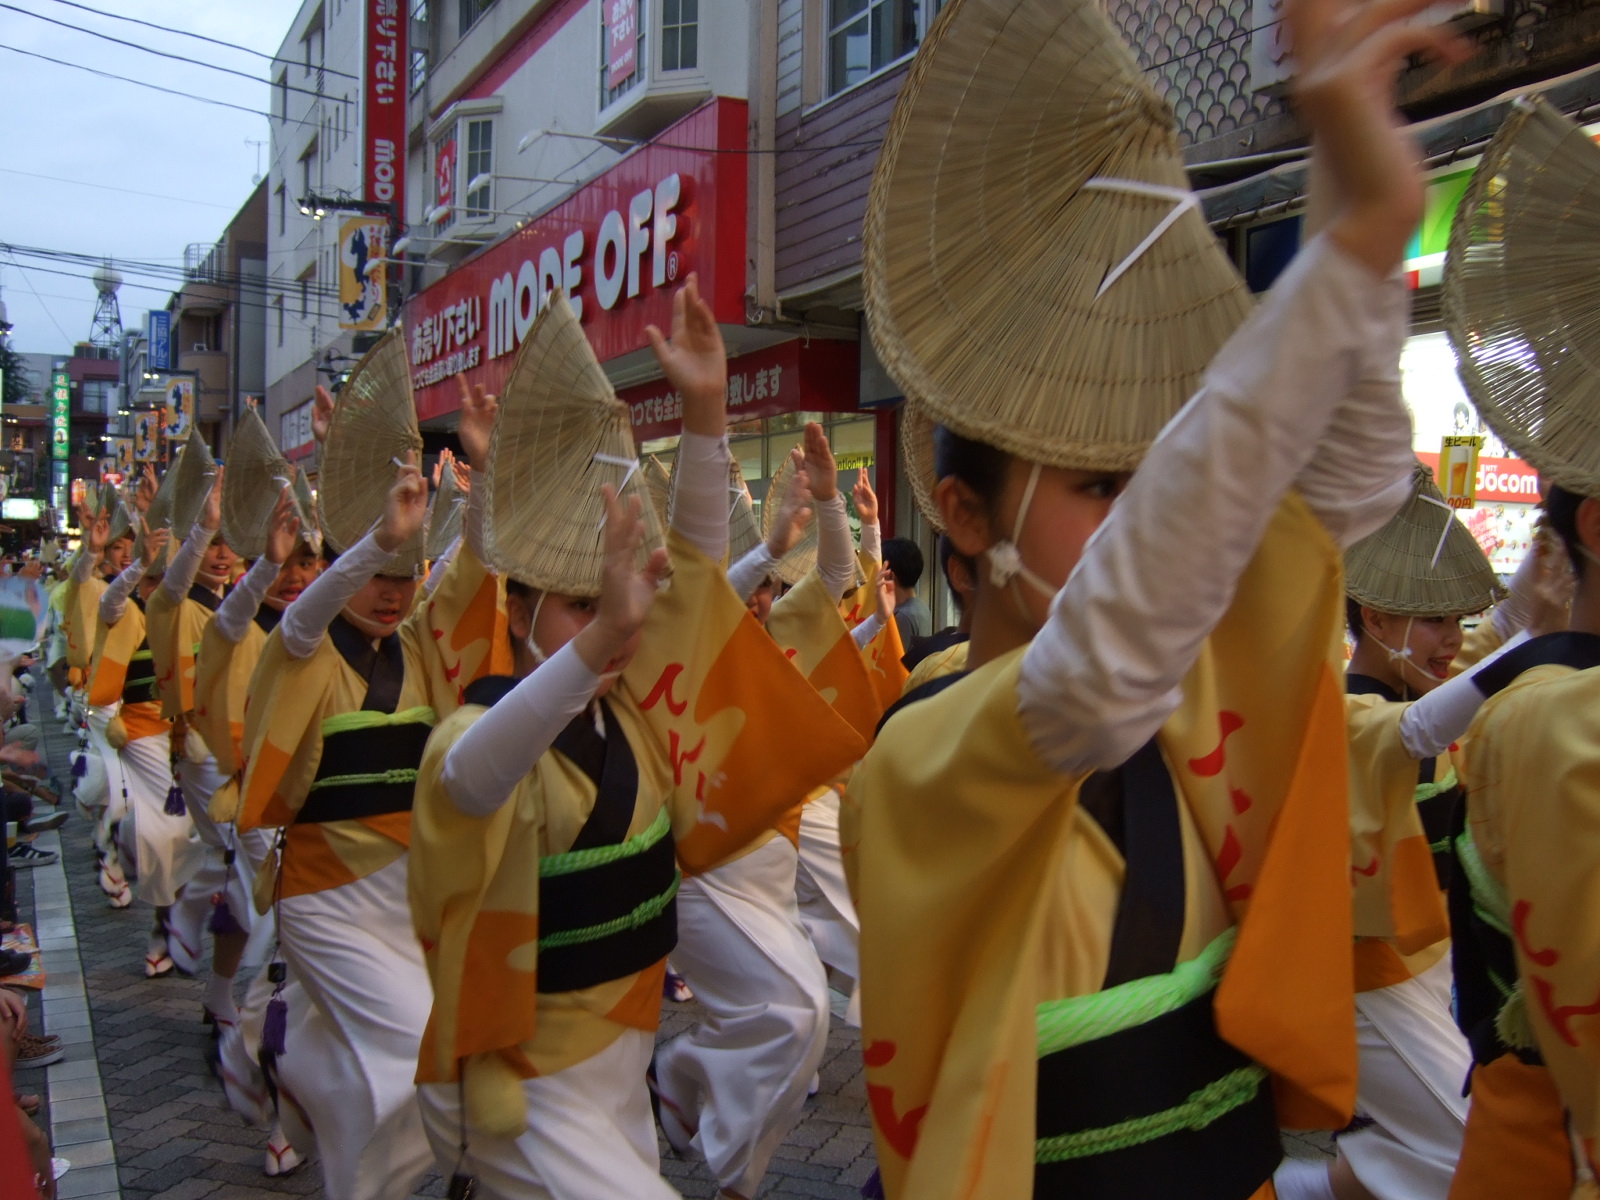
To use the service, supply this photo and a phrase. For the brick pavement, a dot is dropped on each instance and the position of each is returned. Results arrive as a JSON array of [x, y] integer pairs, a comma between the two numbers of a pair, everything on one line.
[[176, 1139]]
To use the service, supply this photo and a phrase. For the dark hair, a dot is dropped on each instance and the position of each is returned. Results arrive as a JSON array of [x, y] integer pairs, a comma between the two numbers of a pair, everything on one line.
[[1561, 514], [947, 554], [980, 466], [515, 587], [904, 559], [1352, 617]]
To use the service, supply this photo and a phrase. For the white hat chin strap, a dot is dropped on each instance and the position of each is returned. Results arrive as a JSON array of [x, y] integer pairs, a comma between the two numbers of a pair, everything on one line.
[[1403, 657], [1005, 559], [539, 656]]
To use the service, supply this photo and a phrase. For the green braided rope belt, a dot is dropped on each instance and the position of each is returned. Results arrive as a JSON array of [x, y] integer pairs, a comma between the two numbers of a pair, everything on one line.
[[1489, 899], [361, 719], [583, 860], [642, 915], [1202, 1108], [397, 775]]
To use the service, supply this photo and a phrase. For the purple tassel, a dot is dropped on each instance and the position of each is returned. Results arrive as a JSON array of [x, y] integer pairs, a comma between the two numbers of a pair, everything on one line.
[[80, 765], [276, 1025], [222, 920], [872, 1189], [175, 807]]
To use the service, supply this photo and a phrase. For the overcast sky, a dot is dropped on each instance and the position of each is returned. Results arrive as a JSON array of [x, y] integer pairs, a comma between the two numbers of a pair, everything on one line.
[[81, 129]]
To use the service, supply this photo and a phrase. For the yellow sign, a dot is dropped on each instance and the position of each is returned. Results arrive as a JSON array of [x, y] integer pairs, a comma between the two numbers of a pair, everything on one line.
[[363, 273], [849, 462], [178, 410], [1458, 470]]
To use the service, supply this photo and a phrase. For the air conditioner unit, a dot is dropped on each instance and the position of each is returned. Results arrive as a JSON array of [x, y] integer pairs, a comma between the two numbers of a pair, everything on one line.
[[199, 347]]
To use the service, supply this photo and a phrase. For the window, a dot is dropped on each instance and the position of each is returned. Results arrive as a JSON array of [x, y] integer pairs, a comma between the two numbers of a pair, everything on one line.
[[467, 14], [679, 34], [283, 210], [306, 159], [283, 96], [419, 53], [96, 395], [480, 161], [278, 305], [865, 36], [608, 94], [308, 277]]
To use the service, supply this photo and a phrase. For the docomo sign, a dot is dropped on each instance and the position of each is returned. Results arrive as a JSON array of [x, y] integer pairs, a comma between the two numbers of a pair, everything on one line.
[[384, 110], [618, 247], [1500, 480]]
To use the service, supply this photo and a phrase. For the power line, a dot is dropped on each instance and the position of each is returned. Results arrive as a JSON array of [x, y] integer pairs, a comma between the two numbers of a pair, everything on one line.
[[162, 53], [65, 335], [106, 187], [155, 87], [166, 272], [197, 36]]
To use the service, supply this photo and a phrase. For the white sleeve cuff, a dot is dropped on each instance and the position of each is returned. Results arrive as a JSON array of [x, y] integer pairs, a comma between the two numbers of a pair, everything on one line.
[[1435, 722], [306, 621], [240, 606], [866, 631], [746, 575], [700, 493], [836, 552]]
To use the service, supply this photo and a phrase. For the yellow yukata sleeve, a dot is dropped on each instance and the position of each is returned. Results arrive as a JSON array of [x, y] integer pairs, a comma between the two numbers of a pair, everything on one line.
[[1537, 747], [806, 624], [80, 613], [1397, 894], [457, 634], [161, 628], [221, 689], [189, 631], [729, 709], [882, 656], [283, 731], [114, 649]]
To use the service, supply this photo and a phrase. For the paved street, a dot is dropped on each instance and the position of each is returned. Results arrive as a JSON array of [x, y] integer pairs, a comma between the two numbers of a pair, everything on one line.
[[173, 1137]]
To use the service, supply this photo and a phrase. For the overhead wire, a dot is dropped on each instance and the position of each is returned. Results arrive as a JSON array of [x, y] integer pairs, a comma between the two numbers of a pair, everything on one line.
[[106, 187]]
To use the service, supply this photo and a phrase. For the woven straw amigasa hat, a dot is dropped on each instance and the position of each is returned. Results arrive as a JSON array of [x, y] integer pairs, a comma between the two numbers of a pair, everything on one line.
[[659, 485], [1423, 563], [193, 475], [560, 434], [744, 531], [802, 557], [257, 474], [374, 423], [159, 516], [446, 514], [1038, 276], [1521, 299]]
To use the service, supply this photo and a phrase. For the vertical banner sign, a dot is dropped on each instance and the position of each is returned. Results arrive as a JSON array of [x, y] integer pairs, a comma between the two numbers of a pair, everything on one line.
[[1458, 470], [146, 441], [160, 339], [622, 40], [122, 451], [178, 410], [444, 174], [363, 245], [383, 106], [60, 404]]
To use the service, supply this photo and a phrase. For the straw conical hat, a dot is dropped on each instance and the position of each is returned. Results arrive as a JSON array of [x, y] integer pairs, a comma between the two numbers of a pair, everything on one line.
[[121, 518], [374, 423], [159, 514], [1521, 296], [445, 514], [306, 510], [103, 498], [802, 557], [659, 484], [561, 433], [1395, 570], [195, 471], [1014, 303], [744, 531], [257, 474]]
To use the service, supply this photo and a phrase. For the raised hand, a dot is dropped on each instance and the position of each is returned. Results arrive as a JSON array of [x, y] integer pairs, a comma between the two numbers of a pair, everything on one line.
[[462, 475], [406, 506], [695, 361], [866, 499], [478, 412], [794, 509], [146, 491], [97, 534], [284, 530], [155, 544], [820, 466], [211, 511], [626, 592], [322, 414], [883, 594], [1349, 54]]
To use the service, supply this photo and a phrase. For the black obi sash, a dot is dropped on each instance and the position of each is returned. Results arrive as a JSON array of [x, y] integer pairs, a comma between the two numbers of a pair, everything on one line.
[[368, 770], [139, 685], [1436, 806], [205, 597], [607, 906], [1165, 1107], [1483, 956], [267, 618]]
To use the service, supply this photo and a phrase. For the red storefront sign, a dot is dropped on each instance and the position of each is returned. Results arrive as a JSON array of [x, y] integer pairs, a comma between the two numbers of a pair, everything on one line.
[[383, 133], [1500, 480], [444, 174], [622, 40], [794, 376], [620, 247]]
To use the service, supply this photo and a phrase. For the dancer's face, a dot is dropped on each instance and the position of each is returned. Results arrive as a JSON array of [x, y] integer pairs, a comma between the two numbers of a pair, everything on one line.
[[217, 566], [552, 622], [119, 554], [296, 574], [381, 604], [1434, 643], [760, 602]]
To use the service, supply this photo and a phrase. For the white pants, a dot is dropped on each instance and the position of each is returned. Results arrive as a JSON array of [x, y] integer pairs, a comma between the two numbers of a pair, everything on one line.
[[353, 950], [1413, 1061], [589, 1134], [190, 915], [826, 910], [737, 1082], [165, 850], [116, 803]]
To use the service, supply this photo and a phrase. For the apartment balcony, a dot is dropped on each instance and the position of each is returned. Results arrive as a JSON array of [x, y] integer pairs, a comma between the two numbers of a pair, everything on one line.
[[211, 380]]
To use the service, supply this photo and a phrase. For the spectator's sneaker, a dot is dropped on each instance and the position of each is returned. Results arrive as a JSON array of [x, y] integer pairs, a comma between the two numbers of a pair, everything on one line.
[[45, 823], [25, 855], [281, 1156], [34, 1051]]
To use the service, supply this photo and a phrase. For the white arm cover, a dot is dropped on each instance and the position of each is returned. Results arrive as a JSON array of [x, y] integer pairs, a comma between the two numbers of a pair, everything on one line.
[[1514, 612], [1103, 674], [700, 493], [83, 567], [872, 540], [1432, 724], [185, 564], [239, 607], [836, 549], [440, 565], [866, 631], [502, 746], [114, 600], [305, 622], [745, 576]]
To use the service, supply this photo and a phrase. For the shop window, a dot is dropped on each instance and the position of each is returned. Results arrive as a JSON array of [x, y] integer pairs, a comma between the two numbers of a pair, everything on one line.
[[679, 34], [480, 161], [467, 14], [868, 36], [641, 11]]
